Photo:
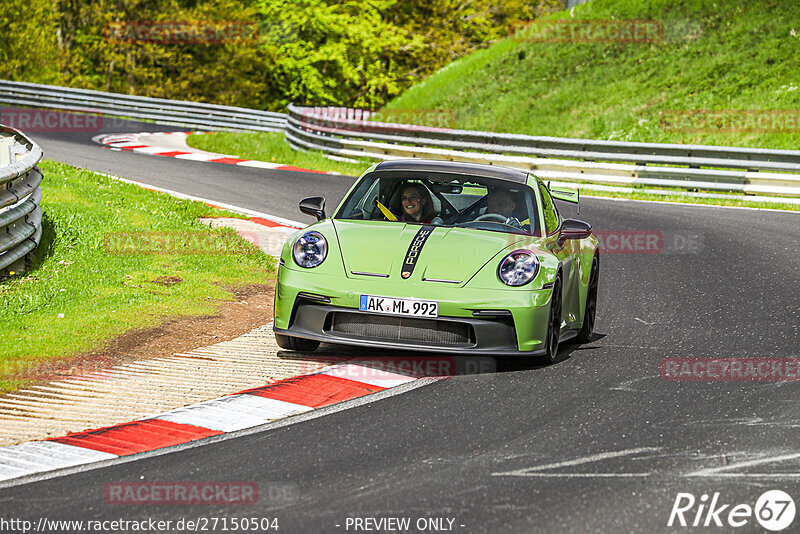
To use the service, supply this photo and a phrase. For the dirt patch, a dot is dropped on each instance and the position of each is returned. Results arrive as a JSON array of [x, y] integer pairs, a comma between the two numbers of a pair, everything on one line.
[[251, 309], [167, 280]]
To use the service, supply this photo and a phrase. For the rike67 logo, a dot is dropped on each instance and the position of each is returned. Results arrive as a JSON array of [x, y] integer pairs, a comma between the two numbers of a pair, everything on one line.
[[774, 511]]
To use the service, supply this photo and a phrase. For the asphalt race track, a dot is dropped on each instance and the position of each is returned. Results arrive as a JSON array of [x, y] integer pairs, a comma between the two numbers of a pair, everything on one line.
[[265, 190], [596, 443]]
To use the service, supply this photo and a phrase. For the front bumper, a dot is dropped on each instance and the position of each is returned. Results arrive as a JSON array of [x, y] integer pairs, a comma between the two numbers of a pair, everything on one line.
[[517, 326]]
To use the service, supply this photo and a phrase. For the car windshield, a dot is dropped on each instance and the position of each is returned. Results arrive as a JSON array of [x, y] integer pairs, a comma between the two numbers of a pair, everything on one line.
[[443, 199]]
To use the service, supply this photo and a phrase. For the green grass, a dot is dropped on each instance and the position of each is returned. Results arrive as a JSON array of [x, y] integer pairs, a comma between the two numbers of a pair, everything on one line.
[[714, 55], [81, 291], [271, 147]]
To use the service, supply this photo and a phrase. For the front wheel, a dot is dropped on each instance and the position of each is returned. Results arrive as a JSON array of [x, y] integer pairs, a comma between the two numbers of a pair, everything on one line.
[[585, 334], [553, 324], [297, 344]]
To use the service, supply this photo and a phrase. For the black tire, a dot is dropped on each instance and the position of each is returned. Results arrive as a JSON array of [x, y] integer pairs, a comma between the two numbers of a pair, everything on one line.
[[590, 311], [297, 344], [553, 324]]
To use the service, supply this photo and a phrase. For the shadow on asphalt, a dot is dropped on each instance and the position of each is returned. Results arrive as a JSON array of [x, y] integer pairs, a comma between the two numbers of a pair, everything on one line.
[[431, 364]]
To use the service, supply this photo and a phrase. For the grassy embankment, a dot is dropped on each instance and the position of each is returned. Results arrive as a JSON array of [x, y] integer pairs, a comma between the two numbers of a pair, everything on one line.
[[89, 281], [736, 55]]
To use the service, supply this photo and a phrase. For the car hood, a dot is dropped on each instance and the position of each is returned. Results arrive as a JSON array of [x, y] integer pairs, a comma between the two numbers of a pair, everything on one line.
[[452, 254]]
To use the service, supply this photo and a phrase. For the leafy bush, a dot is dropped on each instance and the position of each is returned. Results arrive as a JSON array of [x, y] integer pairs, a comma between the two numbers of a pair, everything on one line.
[[325, 52]]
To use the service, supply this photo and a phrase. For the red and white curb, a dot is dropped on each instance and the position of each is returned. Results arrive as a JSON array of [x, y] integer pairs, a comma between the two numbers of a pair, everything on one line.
[[173, 145], [246, 409]]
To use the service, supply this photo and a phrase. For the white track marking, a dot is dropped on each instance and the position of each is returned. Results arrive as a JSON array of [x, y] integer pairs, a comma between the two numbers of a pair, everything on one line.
[[722, 470], [37, 456], [747, 475], [192, 157], [627, 384], [160, 143], [259, 164], [126, 144], [149, 150], [232, 413], [582, 475], [536, 470]]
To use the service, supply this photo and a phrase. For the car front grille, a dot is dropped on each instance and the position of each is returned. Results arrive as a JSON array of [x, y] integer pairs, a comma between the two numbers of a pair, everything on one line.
[[406, 329]]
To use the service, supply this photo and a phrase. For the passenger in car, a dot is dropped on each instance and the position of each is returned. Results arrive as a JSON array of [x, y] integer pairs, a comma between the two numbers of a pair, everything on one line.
[[416, 203]]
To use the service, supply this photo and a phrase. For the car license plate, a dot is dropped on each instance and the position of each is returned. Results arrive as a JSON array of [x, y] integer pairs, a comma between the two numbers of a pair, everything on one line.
[[410, 307]]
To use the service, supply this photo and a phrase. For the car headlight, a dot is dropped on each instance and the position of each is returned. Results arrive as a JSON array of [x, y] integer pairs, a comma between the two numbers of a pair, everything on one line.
[[518, 268], [310, 250]]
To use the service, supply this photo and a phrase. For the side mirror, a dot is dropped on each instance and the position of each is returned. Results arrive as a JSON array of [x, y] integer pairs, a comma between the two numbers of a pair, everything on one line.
[[574, 229], [314, 206]]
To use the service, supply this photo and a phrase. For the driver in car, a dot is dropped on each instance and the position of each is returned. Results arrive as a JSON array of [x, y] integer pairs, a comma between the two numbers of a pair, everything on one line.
[[500, 202]]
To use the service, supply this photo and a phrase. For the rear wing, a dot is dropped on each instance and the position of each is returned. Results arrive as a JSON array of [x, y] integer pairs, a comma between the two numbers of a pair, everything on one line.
[[567, 195]]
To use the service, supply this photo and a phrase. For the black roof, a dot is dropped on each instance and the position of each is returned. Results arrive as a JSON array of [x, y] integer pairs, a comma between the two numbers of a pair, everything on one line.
[[455, 167]]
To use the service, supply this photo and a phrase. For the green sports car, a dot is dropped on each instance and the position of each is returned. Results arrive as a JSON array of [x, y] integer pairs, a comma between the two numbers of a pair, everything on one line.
[[440, 256]]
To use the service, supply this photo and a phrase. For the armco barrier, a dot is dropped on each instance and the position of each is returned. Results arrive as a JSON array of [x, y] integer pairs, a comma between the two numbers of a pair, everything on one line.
[[715, 170], [346, 132], [162, 111], [20, 196]]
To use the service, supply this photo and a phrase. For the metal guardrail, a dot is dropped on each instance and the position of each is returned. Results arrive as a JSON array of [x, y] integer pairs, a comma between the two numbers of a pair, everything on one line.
[[348, 132], [753, 171], [162, 111], [20, 197]]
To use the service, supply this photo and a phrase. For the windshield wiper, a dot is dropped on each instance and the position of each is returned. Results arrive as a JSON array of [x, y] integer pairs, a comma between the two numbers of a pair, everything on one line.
[[485, 225]]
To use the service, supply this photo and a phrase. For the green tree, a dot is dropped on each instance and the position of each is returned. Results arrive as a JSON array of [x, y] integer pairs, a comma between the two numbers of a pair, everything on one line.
[[322, 52], [94, 57], [338, 53], [28, 47]]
